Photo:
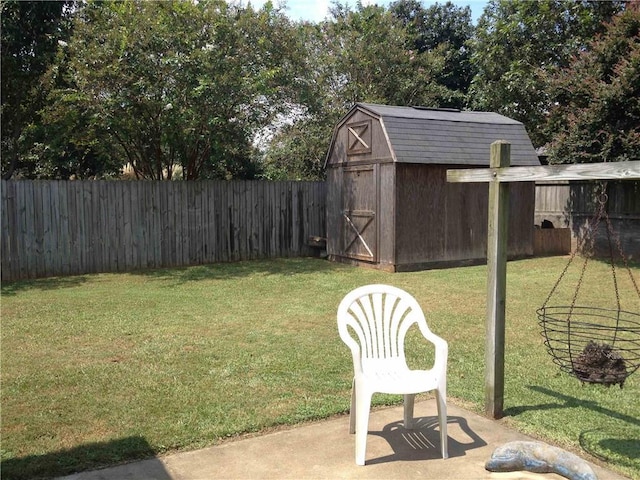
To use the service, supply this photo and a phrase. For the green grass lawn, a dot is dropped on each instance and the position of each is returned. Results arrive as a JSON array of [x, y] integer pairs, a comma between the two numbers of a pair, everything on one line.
[[100, 369]]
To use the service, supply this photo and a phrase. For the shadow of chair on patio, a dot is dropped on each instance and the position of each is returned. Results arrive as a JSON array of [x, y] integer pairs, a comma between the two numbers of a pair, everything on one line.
[[423, 441]]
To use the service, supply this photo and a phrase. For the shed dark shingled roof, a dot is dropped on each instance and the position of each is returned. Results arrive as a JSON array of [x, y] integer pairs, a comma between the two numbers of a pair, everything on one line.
[[449, 137]]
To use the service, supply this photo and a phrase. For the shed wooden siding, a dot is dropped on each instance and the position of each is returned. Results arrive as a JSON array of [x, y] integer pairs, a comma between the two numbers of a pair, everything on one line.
[[447, 223]]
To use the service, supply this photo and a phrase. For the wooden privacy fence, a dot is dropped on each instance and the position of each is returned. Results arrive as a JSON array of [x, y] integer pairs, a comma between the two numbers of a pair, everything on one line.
[[67, 228], [52, 228], [570, 205]]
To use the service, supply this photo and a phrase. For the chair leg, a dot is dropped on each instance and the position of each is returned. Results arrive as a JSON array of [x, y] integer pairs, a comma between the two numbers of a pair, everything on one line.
[[353, 409], [409, 401], [363, 407], [442, 420]]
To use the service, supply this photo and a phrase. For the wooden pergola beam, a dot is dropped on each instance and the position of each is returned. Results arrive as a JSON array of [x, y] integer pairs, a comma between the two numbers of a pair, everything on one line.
[[582, 171]]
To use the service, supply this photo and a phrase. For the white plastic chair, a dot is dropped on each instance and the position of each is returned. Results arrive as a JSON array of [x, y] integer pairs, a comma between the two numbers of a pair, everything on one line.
[[379, 317]]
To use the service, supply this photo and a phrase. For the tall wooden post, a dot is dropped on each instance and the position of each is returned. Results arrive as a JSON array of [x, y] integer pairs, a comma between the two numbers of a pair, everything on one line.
[[496, 283], [498, 179]]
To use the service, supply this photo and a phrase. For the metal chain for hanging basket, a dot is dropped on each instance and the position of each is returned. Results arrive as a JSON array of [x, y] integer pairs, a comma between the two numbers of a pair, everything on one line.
[[595, 345]]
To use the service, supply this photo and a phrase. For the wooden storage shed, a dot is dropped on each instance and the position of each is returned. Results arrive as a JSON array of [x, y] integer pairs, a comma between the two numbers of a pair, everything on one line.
[[389, 205]]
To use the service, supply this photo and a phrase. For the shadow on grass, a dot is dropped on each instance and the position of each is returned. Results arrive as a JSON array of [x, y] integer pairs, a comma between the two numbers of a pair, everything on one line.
[[423, 441], [611, 445], [231, 270], [85, 457], [181, 275], [53, 283], [568, 402]]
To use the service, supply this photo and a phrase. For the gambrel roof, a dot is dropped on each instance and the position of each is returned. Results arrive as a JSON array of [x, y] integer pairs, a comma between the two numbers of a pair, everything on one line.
[[443, 136]]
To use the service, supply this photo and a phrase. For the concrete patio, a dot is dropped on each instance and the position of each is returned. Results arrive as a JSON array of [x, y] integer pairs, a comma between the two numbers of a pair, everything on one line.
[[325, 450]]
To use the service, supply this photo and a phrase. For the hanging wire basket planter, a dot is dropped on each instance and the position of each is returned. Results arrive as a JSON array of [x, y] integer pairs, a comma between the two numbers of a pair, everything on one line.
[[593, 344]]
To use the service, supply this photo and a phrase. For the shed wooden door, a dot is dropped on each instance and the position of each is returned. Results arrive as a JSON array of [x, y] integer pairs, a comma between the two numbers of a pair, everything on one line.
[[360, 239]]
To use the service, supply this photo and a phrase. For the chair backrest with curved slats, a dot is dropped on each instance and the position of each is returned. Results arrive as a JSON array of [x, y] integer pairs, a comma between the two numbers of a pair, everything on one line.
[[379, 317]]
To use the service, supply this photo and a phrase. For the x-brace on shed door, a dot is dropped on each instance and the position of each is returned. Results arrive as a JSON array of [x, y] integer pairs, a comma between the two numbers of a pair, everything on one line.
[[358, 214]]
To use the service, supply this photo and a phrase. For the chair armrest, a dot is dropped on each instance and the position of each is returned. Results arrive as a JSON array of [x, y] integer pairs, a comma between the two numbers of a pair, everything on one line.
[[441, 351]]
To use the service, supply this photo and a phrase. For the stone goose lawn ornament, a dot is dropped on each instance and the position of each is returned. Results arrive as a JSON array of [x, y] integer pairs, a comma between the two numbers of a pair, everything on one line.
[[538, 457]]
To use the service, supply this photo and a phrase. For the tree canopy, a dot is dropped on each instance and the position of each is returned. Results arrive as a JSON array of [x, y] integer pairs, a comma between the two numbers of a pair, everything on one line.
[[178, 85], [595, 114], [212, 89], [516, 41], [30, 35], [445, 27], [366, 54]]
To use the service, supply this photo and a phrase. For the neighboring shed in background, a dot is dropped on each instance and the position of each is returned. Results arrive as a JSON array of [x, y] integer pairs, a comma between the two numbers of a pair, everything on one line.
[[389, 205]]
